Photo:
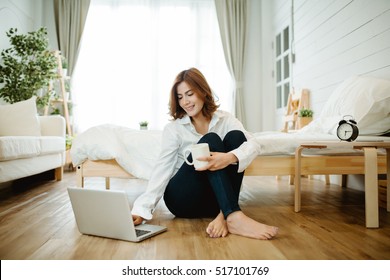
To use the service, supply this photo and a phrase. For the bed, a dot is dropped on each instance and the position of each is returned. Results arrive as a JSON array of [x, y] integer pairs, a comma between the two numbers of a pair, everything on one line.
[[114, 151]]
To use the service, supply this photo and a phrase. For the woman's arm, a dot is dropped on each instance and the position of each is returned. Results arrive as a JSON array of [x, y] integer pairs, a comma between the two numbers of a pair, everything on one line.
[[242, 156], [163, 170]]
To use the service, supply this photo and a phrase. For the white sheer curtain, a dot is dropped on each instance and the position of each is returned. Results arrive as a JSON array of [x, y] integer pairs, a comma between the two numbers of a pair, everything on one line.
[[132, 51]]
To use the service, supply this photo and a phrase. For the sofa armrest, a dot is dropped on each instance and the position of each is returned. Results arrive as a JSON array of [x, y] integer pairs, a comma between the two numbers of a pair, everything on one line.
[[52, 125]]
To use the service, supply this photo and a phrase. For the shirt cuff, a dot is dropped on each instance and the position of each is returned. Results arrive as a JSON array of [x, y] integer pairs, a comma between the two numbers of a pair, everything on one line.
[[241, 160], [142, 212]]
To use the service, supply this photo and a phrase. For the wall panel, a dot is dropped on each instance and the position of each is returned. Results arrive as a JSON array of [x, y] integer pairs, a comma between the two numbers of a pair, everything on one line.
[[336, 39]]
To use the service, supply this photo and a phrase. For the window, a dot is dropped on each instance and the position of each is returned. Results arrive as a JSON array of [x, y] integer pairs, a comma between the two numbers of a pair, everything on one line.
[[131, 52], [282, 54]]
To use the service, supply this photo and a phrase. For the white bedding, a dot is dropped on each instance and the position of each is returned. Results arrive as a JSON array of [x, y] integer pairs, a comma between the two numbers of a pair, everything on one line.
[[137, 150]]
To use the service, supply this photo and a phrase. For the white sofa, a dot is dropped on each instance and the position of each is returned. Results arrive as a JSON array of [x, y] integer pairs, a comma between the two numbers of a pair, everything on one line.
[[31, 147]]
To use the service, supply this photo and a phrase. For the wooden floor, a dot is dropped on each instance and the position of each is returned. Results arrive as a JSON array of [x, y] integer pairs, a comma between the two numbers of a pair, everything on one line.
[[37, 222]]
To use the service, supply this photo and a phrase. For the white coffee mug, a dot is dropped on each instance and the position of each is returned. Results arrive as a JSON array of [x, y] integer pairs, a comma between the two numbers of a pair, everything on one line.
[[197, 151]]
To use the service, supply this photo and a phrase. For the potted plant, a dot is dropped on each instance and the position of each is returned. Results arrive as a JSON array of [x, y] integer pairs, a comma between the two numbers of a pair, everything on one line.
[[143, 125], [305, 116], [27, 67], [68, 146], [68, 142]]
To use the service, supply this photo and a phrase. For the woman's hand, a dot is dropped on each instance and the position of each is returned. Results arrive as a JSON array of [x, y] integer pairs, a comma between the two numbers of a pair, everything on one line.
[[137, 220], [217, 161]]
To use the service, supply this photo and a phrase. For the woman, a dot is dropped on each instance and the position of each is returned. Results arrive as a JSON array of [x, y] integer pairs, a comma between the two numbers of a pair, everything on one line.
[[210, 191]]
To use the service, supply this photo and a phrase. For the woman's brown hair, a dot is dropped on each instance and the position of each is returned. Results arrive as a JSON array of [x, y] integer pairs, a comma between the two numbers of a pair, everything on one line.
[[198, 84]]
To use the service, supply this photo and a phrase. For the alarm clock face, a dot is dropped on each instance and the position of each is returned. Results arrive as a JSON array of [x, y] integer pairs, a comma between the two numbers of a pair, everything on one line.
[[344, 131]]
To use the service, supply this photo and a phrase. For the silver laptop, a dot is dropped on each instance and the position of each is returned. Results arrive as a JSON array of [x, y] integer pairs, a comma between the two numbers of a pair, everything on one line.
[[106, 213]]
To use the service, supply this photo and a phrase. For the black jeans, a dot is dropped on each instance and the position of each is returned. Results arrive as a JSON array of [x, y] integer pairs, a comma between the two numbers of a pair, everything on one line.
[[198, 194]]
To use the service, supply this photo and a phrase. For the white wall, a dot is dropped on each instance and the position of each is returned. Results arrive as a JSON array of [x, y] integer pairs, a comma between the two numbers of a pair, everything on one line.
[[49, 22], [24, 15], [252, 70], [333, 41]]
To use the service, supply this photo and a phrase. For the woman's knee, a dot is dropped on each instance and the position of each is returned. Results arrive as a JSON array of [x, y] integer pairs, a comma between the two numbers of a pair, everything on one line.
[[235, 134], [234, 139], [215, 142], [210, 137]]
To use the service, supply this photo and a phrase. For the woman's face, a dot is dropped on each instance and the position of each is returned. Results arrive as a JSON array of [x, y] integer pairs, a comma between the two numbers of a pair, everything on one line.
[[189, 100]]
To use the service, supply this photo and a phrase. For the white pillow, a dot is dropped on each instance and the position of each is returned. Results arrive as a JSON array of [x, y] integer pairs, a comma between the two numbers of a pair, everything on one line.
[[367, 99], [20, 119]]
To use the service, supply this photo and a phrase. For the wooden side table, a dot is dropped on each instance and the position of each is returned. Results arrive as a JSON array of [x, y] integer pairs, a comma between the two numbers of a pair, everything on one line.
[[370, 170]]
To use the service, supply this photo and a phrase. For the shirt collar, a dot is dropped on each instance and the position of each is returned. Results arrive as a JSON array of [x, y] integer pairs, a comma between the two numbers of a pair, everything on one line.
[[184, 120], [214, 119]]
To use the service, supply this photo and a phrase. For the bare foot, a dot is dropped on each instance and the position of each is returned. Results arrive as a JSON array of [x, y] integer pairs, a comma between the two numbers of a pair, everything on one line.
[[218, 227], [240, 224]]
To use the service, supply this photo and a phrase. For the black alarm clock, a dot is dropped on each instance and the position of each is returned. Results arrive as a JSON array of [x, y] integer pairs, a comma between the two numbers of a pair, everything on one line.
[[347, 129]]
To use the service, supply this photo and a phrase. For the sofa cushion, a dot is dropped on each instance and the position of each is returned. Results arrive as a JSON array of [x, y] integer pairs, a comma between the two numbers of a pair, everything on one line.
[[20, 119], [14, 147], [17, 147], [52, 144]]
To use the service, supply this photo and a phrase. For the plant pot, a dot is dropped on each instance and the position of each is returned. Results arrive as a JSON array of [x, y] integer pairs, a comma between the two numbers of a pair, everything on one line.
[[303, 121], [143, 127]]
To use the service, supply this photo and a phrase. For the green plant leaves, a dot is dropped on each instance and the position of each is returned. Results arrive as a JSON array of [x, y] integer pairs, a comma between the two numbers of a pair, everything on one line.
[[27, 67], [305, 113]]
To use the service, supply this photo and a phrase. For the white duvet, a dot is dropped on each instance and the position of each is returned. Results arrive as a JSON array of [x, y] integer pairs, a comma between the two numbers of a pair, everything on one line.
[[135, 150]]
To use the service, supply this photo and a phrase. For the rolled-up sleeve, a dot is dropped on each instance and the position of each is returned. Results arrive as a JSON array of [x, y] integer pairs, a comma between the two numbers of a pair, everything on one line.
[[246, 153]]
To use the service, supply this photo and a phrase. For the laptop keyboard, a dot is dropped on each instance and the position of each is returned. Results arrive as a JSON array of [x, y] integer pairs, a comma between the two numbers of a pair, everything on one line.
[[140, 232]]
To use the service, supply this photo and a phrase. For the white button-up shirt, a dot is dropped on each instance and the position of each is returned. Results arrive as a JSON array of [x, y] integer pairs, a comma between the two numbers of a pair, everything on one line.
[[179, 135]]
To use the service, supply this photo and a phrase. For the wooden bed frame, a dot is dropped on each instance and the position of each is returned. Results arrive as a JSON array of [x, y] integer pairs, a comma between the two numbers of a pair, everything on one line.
[[260, 166]]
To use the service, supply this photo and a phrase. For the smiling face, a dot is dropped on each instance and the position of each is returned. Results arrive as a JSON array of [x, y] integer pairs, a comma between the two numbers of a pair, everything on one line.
[[189, 100], [191, 94]]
